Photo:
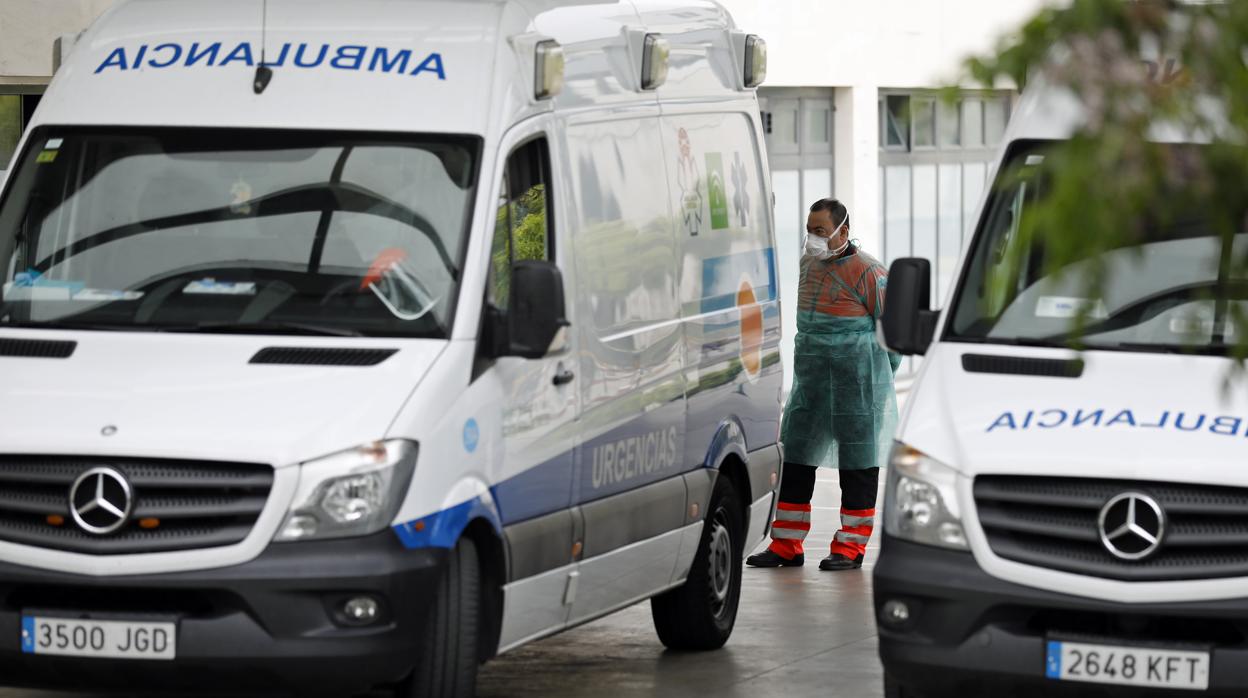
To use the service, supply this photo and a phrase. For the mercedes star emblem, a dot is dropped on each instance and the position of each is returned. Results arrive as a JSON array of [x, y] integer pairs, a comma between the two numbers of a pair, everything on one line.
[[1132, 526], [101, 501]]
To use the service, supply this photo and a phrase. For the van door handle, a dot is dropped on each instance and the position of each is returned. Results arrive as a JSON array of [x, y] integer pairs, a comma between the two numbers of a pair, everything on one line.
[[564, 376]]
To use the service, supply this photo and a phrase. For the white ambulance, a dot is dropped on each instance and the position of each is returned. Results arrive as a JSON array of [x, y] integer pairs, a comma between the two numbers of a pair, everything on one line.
[[352, 344], [1062, 523]]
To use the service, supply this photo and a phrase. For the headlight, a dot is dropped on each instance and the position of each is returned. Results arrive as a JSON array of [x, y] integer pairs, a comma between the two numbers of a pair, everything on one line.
[[352, 493], [921, 501]]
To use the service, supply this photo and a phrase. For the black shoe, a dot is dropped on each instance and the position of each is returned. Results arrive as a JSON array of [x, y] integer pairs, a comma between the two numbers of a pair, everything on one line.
[[837, 562], [770, 559]]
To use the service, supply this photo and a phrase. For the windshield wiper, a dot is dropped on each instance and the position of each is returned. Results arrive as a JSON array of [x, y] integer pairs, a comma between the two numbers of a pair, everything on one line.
[[1011, 342], [310, 198], [300, 328], [1217, 349]]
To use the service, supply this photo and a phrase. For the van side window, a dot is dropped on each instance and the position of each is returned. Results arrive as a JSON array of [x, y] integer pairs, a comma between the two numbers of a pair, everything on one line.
[[523, 223]]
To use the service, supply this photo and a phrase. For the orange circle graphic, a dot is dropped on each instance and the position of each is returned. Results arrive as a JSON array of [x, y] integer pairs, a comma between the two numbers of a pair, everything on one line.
[[751, 330]]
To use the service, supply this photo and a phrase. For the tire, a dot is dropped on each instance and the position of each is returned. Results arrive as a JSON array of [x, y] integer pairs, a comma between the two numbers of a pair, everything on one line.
[[699, 615], [448, 662]]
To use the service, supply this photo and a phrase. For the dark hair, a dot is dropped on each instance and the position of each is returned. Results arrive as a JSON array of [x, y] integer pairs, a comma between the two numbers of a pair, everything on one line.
[[834, 208]]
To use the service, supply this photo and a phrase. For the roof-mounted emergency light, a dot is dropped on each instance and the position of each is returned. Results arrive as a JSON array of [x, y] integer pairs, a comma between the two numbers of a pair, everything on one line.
[[755, 61], [550, 69], [656, 53]]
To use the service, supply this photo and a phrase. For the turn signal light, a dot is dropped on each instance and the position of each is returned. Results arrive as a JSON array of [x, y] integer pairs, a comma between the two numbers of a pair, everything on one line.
[[56, 520], [149, 524]]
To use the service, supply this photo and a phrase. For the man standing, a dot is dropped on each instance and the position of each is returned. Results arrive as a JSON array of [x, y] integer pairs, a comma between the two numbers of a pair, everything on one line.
[[842, 410]]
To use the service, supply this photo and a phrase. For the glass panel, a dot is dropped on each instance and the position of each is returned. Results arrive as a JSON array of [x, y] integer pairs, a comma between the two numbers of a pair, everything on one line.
[[528, 220], [924, 214], [996, 116], [237, 230], [500, 256], [897, 212], [784, 127], [950, 237], [950, 124], [1164, 287], [816, 184], [897, 121], [972, 123], [819, 126], [973, 175], [10, 127], [924, 123]]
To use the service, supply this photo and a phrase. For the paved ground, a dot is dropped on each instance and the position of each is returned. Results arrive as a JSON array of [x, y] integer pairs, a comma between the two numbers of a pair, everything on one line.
[[800, 633]]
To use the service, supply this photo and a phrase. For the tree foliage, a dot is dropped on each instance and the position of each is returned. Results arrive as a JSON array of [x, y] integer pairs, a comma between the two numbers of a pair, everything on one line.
[[520, 233], [1144, 72]]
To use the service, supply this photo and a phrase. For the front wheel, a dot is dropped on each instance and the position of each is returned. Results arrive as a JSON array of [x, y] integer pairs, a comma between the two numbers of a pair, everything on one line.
[[448, 663], [700, 614]]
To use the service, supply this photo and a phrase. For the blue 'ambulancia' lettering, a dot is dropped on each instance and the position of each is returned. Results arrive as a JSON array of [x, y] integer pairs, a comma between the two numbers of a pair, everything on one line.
[[381, 57], [242, 54], [194, 55], [1047, 423], [374, 59], [174, 48], [320, 57], [432, 64], [1165, 417], [1029, 420], [1178, 423], [1123, 417], [349, 57], [1005, 421], [1094, 415], [281, 57], [116, 59], [1226, 426]]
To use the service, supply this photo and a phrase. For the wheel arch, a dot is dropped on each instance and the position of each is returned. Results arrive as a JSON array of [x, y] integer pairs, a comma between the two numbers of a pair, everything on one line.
[[728, 456], [492, 555]]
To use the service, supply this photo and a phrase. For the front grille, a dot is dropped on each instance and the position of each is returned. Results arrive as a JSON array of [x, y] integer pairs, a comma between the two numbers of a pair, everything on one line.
[[185, 504], [1052, 522]]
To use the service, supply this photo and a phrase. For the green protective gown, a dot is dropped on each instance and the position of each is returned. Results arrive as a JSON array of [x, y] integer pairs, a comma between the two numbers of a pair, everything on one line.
[[842, 410]]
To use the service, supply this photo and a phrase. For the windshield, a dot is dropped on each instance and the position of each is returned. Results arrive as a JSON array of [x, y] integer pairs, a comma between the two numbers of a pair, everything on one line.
[[1169, 290], [243, 230]]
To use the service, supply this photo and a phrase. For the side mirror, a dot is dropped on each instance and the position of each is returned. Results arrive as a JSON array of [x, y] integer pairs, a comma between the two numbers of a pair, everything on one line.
[[909, 323], [537, 316]]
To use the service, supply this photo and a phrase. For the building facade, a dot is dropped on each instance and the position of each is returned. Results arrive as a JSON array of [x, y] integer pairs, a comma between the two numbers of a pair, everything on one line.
[[853, 110], [28, 32], [850, 103]]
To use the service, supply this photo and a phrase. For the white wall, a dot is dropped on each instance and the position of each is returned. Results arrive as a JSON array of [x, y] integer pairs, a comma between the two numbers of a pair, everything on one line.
[[28, 28]]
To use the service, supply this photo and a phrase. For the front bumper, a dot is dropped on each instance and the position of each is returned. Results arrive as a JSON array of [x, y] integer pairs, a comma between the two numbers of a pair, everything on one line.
[[268, 625], [972, 634]]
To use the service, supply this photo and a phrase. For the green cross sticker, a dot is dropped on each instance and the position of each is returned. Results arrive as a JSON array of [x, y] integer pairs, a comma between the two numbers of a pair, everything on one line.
[[716, 191]]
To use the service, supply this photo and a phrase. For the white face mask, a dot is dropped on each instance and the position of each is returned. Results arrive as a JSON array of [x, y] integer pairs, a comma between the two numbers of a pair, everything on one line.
[[817, 247]]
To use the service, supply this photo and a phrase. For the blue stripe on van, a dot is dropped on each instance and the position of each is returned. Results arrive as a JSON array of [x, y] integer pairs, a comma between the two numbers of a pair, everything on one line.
[[442, 529], [542, 489]]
